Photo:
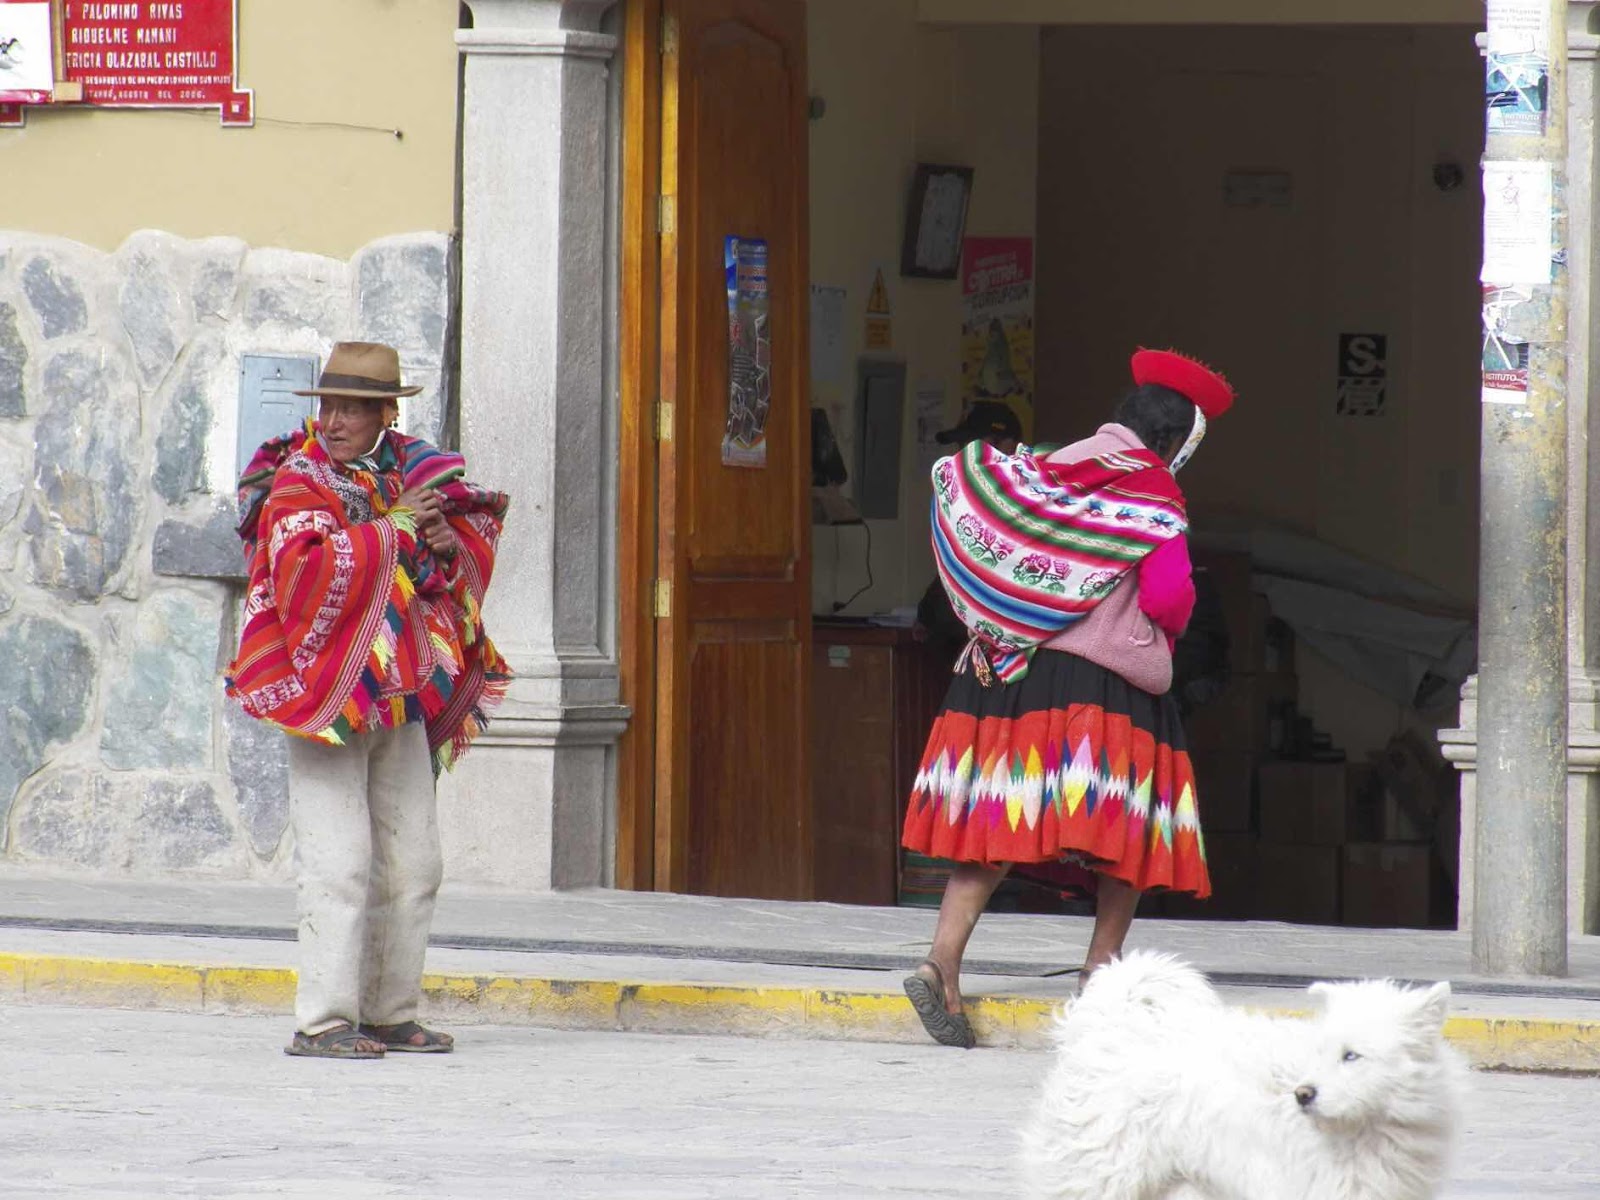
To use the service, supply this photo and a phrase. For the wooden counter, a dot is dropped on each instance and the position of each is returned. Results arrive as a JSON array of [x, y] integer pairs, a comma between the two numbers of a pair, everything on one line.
[[874, 693]]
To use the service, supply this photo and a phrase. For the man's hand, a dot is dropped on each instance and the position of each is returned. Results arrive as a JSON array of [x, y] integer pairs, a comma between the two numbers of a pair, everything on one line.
[[441, 538], [431, 523], [424, 502]]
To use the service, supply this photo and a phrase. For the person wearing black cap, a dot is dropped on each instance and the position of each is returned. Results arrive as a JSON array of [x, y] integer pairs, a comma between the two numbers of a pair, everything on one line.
[[989, 421]]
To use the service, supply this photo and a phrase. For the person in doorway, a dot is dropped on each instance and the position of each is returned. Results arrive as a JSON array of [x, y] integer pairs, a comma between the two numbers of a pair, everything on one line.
[[986, 421], [368, 557], [1059, 739]]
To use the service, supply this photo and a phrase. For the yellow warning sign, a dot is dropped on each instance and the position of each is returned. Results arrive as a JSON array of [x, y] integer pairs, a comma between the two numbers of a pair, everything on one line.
[[878, 298]]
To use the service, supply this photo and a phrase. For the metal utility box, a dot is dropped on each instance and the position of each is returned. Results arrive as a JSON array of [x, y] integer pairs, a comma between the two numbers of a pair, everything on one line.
[[268, 406], [880, 408]]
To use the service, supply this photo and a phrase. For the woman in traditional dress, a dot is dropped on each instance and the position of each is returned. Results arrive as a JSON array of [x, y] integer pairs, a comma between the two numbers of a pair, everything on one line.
[[1059, 741], [369, 555]]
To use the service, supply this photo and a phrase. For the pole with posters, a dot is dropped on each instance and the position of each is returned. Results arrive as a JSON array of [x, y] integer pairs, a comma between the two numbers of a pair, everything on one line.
[[1519, 907]]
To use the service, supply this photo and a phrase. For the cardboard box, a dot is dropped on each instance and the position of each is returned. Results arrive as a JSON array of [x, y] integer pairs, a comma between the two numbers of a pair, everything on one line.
[[1419, 784], [1225, 781], [1388, 884], [1241, 717], [1230, 576], [1232, 859], [1257, 644], [1318, 804], [1299, 883], [1397, 823], [1269, 642]]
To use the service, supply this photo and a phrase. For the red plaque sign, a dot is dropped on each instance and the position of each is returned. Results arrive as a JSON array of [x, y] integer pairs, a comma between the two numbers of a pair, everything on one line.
[[141, 54]]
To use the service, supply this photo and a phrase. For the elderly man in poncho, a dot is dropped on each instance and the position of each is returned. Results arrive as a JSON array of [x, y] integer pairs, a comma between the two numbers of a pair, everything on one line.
[[368, 557]]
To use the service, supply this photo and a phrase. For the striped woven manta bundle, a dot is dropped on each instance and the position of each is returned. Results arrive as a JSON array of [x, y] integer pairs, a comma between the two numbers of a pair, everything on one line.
[[350, 623], [1026, 547]]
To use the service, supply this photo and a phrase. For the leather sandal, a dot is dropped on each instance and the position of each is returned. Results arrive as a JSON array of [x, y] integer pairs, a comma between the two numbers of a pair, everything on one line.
[[410, 1038], [339, 1041], [945, 1027]]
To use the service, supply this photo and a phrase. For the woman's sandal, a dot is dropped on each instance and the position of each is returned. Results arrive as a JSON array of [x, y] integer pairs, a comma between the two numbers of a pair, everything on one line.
[[411, 1038], [945, 1027], [341, 1041]]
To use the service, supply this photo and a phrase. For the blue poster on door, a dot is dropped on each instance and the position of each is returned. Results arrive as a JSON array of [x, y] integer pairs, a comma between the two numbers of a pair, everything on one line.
[[744, 443]]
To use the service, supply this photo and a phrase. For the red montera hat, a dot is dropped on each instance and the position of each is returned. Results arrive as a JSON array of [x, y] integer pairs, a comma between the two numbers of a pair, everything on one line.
[[1195, 381]]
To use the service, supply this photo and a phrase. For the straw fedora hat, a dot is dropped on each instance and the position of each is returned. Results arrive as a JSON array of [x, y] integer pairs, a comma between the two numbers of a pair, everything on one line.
[[364, 370]]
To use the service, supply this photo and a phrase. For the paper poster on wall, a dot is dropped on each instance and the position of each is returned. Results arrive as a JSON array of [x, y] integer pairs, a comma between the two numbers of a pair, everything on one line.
[[138, 55], [1505, 355], [997, 324], [27, 53], [744, 444], [1517, 65], [1518, 219], [878, 333], [828, 356], [930, 419]]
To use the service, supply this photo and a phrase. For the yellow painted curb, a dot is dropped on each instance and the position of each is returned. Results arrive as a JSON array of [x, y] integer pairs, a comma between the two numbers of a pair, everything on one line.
[[1528, 1044], [117, 983], [248, 989], [798, 1012]]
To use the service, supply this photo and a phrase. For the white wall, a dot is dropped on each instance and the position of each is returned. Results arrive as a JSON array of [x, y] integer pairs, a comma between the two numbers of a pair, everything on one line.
[[1136, 246], [1203, 12], [1110, 145], [897, 94]]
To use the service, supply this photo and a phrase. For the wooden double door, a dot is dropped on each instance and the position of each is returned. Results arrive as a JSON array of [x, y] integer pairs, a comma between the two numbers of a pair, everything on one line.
[[714, 791]]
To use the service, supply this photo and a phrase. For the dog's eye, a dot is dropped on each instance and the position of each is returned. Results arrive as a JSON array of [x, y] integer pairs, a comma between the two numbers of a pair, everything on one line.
[[1351, 1056]]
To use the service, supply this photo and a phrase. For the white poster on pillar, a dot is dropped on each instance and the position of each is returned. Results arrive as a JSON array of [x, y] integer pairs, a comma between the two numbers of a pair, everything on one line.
[[1518, 222]]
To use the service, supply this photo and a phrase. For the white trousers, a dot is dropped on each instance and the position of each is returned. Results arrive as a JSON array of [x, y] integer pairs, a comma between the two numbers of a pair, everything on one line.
[[367, 854]]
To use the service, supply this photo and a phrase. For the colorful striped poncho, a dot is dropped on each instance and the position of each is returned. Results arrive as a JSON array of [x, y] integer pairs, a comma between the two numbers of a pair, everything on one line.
[[350, 622], [1026, 547]]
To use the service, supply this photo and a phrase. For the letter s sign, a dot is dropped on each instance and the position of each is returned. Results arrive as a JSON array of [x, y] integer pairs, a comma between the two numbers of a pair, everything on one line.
[[1363, 354]]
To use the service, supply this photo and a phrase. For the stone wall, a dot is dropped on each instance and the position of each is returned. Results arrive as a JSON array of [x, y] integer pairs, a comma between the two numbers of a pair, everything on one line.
[[119, 388]]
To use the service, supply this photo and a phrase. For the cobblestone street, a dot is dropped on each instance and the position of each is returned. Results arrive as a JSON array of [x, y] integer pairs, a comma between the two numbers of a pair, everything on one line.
[[131, 1104]]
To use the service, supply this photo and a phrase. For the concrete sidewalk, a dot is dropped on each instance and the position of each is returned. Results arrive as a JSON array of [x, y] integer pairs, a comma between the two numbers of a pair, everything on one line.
[[600, 959]]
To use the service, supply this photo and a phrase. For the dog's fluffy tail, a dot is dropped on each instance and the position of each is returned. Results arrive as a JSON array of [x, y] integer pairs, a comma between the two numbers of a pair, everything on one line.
[[1145, 980]]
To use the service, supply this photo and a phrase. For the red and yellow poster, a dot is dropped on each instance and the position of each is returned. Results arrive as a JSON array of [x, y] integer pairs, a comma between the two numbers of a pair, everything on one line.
[[997, 324]]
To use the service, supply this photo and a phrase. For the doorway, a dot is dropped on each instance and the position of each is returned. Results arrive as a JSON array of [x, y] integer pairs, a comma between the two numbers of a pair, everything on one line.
[[1255, 204], [714, 794]]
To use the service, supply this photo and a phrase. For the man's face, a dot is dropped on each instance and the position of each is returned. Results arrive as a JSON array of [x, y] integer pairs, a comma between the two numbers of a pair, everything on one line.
[[350, 426]]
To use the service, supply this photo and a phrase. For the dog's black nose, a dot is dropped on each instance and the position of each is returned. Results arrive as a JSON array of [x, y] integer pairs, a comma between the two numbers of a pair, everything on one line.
[[1305, 1094]]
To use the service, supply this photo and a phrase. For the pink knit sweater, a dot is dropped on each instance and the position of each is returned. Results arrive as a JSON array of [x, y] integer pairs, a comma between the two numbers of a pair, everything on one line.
[[1132, 631]]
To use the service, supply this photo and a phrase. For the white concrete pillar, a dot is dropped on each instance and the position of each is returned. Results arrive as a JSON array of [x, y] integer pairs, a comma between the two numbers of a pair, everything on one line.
[[531, 805], [1583, 515]]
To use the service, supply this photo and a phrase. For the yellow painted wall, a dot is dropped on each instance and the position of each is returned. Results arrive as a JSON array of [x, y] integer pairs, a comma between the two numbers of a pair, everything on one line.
[[300, 178], [897, 94]]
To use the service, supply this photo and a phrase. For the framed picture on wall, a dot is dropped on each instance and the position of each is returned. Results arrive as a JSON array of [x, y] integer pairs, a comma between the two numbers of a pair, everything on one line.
[[936, 220]]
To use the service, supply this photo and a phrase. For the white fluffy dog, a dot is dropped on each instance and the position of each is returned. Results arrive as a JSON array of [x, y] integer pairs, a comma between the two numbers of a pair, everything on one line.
[[1160, 1091]]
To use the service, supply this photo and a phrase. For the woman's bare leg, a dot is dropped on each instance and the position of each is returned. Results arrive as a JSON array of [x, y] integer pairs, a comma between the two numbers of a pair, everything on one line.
[[1115, 904], [965, 897]]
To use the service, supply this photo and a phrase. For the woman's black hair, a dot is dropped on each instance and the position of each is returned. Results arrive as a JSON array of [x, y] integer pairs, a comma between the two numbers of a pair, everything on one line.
[[1161, 417]]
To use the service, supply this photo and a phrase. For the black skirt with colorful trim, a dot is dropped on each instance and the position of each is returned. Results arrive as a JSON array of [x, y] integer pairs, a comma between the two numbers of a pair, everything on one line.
[[1070, 764]]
